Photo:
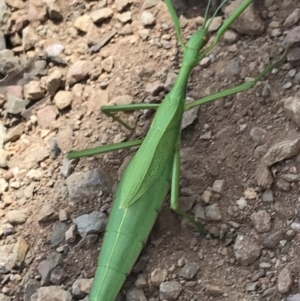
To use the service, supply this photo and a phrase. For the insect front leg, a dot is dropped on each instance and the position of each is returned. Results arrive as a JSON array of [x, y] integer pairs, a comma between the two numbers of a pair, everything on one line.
[[111, 110], [240, 88]]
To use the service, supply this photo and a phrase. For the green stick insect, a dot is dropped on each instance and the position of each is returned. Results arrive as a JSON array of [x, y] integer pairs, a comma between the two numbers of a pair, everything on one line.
[[155, 166]]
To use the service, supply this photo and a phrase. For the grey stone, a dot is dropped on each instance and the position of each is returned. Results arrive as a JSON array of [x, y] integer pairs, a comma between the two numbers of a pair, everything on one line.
[[40, 68], [64, 138], [42, 154], [28, 191], [54, 149], [268, 197], [246, 250], [290, 177], [18, 253], [3, 185], [292, 108], [189, 116], [247, 23], [189, 270], [288, 85], [45, 267], [251, 287], [215, 24], [297, 78], [16, 217], [207, 196], [3, 10], [2, 41], [233, 68], [149, 4], [70, 234], [17, 4], [29, 38], [261, 221], [273, 239], [199, 213], [5, 297], [296, 226], [263, 175], [5, 256], [135, 294], [33, 90], [170, 290], [53, 293], [47, 116], [292, 18], [140, 264], [293, 37], [58, 275], [30, 288], [53, 82], [101, 14], [218, 186], [293, 57], [121, 100], [158, 276], [8, 61], [186, 203], [121, 4], [47, 213], [15, 133], [16, 105], [83, 23], [79, 71], [170, 80], [2, 135], [292, 73], [214, 290], [147, 18], [141, 281], [282, 150], [86, 184], [35, 174], [154, 88], [126, 30], [295, 297], [258, 135], [67, 167], [285, 281], [54, 49], [270, 292], [213, 213], [107, 64], [88, 241], [54, 9], [81, 287], [230, 37], [91, 223], [63, 99], [3, 158], [58, 233]]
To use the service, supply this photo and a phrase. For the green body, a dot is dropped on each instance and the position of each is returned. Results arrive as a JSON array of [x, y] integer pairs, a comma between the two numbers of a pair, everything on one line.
[[143, 188], [147, 178]]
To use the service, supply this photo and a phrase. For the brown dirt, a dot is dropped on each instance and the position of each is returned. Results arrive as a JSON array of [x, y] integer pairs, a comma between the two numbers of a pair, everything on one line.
[[229, 155]]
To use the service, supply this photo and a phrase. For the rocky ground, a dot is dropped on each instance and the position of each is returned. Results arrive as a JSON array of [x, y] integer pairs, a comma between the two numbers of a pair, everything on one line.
[[240, 173]]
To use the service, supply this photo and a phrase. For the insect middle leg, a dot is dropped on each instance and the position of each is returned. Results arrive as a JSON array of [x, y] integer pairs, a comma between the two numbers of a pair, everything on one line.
[[175, 195]]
